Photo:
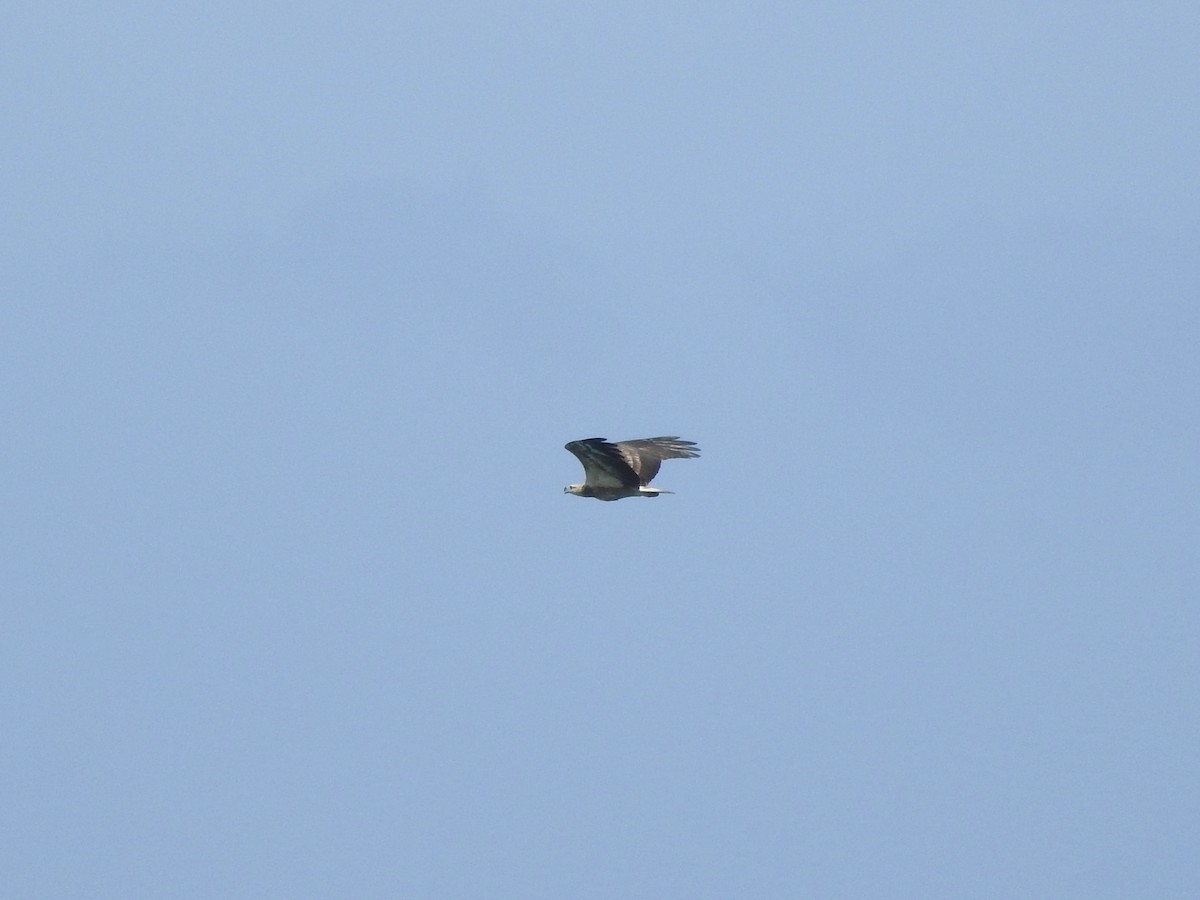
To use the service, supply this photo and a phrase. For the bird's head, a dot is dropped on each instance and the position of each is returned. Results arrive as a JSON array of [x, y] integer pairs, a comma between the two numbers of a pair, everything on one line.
[[573, 489]]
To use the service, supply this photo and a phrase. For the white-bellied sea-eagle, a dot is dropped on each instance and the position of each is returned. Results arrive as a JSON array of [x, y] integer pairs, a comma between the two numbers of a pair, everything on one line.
[[625, 468]]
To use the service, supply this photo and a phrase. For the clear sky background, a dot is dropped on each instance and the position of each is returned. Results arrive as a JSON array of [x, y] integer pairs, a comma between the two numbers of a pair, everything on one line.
[[301, 301]]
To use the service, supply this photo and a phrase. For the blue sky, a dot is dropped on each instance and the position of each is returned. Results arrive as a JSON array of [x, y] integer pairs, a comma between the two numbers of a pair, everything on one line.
[[302, 302]]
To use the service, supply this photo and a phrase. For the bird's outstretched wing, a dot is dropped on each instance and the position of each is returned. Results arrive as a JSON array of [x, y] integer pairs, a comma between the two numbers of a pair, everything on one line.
[[604, 465], [646, 455]]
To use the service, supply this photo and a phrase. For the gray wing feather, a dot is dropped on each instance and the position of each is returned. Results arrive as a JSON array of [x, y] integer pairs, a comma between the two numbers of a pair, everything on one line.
[[644, 456]]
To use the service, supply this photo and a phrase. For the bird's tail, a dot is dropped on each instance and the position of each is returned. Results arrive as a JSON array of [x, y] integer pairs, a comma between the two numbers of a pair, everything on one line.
[[652, 491]]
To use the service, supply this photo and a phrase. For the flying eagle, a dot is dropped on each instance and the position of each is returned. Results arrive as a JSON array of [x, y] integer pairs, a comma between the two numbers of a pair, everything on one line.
[[625, 469]]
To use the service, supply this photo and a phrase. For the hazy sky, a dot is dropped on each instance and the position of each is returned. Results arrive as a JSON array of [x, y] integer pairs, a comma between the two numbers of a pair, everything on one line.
[[301, 302]]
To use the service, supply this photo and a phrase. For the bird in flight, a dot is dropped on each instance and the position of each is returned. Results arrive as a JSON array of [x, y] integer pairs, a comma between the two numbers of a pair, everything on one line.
[[625, 468]]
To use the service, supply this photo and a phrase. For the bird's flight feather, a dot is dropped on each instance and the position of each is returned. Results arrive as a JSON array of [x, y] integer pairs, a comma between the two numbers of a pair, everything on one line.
[[628, 463]]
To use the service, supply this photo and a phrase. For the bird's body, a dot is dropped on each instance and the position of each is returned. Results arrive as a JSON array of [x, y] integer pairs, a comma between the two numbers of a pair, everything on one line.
[[614, 471]]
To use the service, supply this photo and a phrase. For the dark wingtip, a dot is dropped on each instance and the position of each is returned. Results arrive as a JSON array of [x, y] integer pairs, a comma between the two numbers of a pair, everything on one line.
[[679, 445]]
